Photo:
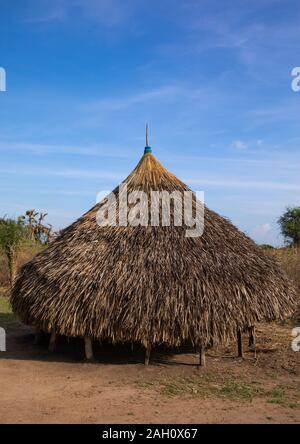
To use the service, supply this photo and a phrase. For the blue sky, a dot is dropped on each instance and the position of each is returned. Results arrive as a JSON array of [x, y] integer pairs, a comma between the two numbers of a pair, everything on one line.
[[212, 79]]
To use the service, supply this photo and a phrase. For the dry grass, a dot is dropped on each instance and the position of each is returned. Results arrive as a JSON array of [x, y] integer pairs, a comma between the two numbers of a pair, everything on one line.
[[7, 318], [151, 284], [272, 374], [25, 255], [289, 259], [231, 388]]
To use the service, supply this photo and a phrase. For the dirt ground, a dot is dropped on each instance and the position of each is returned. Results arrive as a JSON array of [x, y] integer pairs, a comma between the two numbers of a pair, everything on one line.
[[40, 387]]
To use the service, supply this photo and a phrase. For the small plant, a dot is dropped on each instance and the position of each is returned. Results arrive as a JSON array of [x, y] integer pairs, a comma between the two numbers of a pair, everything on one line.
[[229, 388], [7, 318], [237, 390]]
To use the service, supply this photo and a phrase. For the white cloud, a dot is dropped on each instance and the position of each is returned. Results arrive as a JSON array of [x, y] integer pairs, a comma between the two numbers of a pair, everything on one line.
[[266, 233], [262, 229], [239, 145]]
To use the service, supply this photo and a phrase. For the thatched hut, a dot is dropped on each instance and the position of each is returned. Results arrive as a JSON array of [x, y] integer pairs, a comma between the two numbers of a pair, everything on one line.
[[151, 284]]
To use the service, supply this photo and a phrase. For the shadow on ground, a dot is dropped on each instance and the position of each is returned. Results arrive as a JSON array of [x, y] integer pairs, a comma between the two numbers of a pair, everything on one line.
[[21, 346]]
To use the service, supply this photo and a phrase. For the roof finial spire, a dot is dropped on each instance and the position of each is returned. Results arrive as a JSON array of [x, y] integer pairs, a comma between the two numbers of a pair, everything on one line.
[[147, 134], [147, 147]]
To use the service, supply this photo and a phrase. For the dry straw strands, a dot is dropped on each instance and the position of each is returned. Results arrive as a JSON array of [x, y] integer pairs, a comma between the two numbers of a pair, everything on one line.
[[151, 284]]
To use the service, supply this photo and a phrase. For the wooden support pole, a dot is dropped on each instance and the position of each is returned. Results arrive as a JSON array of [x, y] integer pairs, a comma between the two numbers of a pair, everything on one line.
[[38, 336], [202, 360], [52, 342], [239, 343], [147, 354], [88, 346], [251, 336]]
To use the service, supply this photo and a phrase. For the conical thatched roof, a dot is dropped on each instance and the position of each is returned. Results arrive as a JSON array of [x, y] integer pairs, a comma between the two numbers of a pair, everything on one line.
[[151, 284]]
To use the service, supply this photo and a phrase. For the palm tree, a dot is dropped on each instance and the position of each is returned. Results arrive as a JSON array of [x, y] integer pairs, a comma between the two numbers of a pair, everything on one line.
[[13, 234]]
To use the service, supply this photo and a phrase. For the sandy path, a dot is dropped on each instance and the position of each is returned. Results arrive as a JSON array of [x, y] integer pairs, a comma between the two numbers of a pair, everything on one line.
[[37, 387], [43, 392]]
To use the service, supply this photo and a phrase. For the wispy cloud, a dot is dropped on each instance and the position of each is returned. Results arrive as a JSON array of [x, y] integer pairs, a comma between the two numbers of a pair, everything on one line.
[[105, 150], [286, 110], [156, 95], [110, 13], [26, 170], [54, 14], [107, 12], [239, 145], [265, 233], [246, 31], [211, 78], [283, 161], [252, 185], [262, 229]]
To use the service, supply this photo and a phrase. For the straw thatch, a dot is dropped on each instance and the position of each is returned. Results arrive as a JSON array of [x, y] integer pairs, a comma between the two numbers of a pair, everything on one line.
[[151, 284]]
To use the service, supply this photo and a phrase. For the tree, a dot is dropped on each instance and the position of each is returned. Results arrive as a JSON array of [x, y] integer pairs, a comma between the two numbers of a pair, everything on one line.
[[289, 224], [266, 247], [13, 234], [38, 230]]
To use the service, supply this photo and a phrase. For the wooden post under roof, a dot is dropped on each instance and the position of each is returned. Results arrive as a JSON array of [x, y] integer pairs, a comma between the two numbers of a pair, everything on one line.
[[88, 346], [252, 336], [38, 336], [202, 359], [239, 343], [52, 342], [147, 354]]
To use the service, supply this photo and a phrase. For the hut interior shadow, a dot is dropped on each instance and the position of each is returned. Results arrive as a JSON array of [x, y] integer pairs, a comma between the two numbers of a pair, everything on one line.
[[21, 346]]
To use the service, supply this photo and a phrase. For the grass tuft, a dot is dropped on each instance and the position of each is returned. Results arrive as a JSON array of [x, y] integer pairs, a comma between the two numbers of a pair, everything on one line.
[[7, 318], [233, 389]]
